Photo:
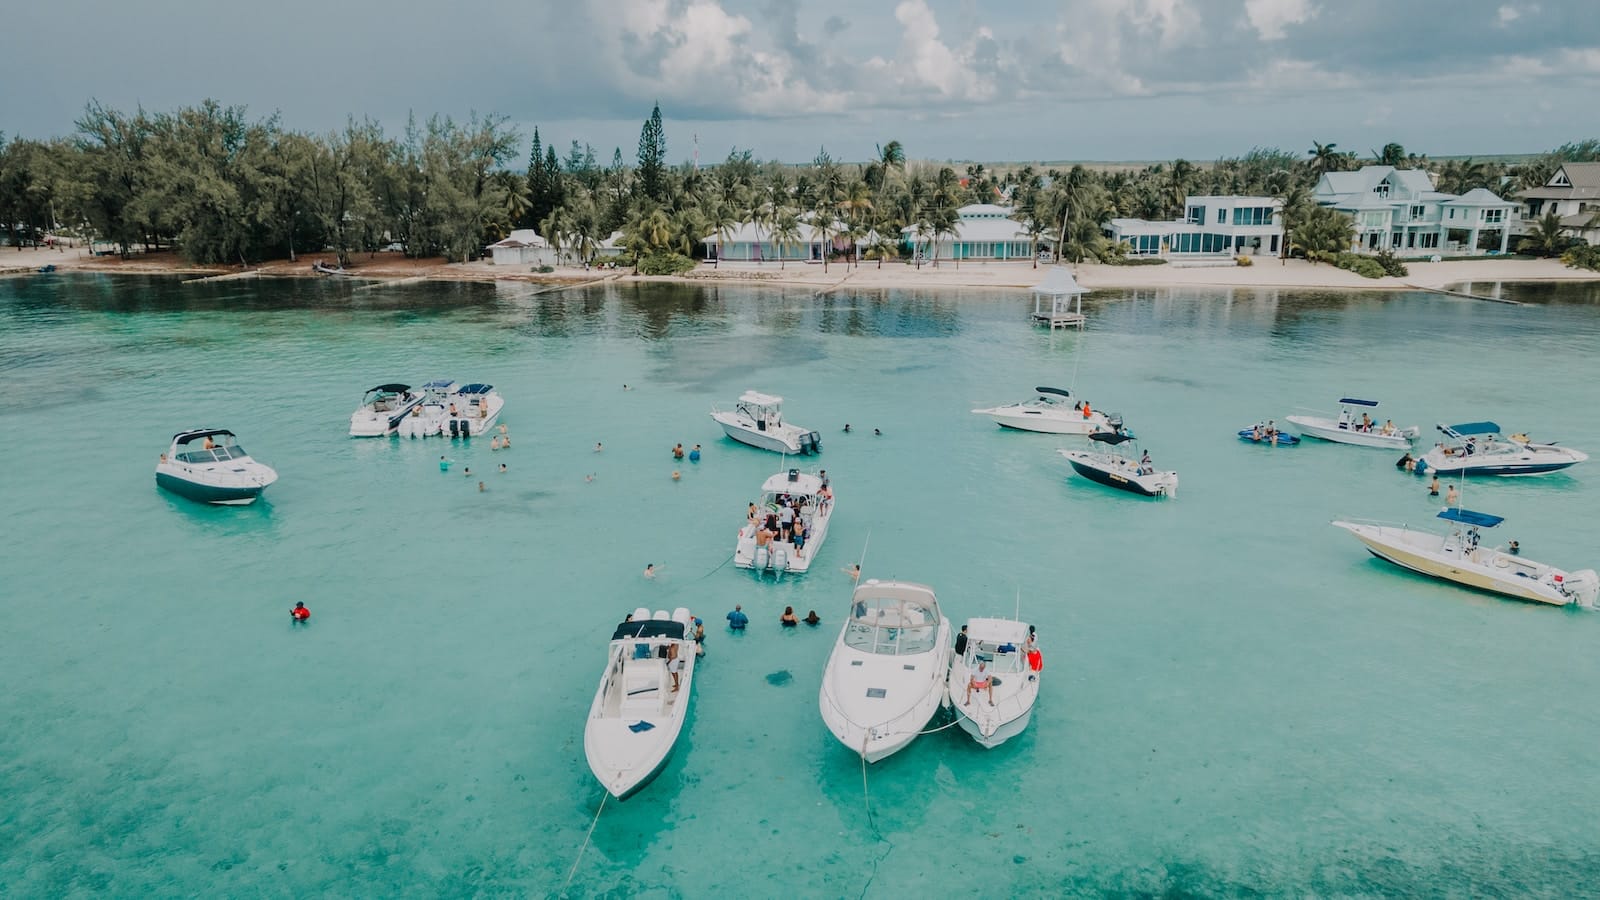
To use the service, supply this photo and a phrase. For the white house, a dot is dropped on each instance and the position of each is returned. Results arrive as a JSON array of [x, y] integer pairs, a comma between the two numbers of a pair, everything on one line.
[[523, 247], [1218, 226], [984, 231], [1573, 193], [1398, 210], [750, 242]]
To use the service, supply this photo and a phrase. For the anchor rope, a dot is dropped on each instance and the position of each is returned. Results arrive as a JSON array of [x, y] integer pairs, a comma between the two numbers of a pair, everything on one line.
[[574, 870]]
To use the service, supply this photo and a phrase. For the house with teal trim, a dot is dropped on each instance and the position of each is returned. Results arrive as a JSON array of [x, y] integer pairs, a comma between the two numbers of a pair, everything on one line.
[[1398, 210], [1212, 226], [985, 231]]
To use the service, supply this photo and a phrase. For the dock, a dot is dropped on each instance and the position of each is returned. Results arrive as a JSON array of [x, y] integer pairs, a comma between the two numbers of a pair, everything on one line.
[[1465, 296]]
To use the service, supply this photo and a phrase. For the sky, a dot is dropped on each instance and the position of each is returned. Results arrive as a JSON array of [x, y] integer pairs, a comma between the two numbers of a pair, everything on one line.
[[1020, 80]]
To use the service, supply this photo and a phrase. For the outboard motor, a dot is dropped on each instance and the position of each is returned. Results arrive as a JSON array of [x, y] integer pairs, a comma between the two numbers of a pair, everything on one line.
[[780, 559], [815, 440], [453, 424], [761, 558]]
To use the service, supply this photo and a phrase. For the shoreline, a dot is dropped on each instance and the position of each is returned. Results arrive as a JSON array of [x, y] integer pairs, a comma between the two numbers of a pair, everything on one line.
[[1018, 276]]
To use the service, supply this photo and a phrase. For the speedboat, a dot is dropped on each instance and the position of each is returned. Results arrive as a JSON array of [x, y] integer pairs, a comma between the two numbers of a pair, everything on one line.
[[757, 420], [382, 409], [1477, 448], [1049, 413], [1112, 467], [886, 676], [1012, 671], [427, 418], [1267, 435], [473, 409], [1347, 430], [208, 465], [1460, 557], [802, 493], [636, 716]]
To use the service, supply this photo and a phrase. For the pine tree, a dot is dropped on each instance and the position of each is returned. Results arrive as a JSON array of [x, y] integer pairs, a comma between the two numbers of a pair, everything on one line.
[[652, 157]]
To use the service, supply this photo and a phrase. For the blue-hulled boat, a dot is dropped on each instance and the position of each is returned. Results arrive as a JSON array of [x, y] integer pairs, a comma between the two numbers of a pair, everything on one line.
[[1478, 448]]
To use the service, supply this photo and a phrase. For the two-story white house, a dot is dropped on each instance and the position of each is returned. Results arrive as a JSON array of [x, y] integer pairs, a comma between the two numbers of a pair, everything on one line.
[[1573, 193], [1211, 226], [1399, 210]]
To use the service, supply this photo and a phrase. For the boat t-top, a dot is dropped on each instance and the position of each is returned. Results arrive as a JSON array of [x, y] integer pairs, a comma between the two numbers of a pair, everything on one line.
[[995, 682], [1356, 426], [1477, 448], [1460, 556], [642, 702], [427, 418], [208, 465], [1112, 466], [886, 676], [382, 409], [757, 420], [472, 410], [1052, 412], [789, 525]]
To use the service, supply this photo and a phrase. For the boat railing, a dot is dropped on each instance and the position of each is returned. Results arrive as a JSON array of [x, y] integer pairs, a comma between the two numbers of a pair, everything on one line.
[[1377, 523]]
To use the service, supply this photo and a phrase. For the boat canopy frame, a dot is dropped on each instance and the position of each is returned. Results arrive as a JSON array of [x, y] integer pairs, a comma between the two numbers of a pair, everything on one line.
[[1351, 401], [1469, 517]]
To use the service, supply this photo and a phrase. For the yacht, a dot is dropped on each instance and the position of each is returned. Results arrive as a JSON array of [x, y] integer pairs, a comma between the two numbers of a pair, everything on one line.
[[757, 419], [886, 676], [473, 409], [427, 418], [1051, 412], [801, 492], [208, 465], [637, 716], [1012, 667], [1354, 425], [1477, 448], [1459, 556], [382, 409], [1112, 466]]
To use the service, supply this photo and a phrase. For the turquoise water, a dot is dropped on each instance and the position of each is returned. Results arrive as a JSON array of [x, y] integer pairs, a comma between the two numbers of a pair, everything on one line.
[[1237, 699]]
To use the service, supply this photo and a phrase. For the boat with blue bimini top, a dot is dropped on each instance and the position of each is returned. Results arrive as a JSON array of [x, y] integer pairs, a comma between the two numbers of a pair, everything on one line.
[[473, 409], [1051, 412], [1478, 448], [789, 525], [1460, 557], [382, 410], [1355, 425], [1268, 435], [643, 700], [757, 419], [208, 465], [1111, 466], [427, 418]]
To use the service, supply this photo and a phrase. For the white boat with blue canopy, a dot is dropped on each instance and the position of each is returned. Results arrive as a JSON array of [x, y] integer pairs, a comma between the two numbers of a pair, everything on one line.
[[1479, 448], [1355, 425], [639, 709], [382, 410], [473, 409], [208, 465], [1460, 556], [427, 418], [1052, 411]]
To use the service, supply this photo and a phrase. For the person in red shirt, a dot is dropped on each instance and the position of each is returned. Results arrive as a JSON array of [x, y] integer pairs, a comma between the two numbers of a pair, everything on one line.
[[300, 613]]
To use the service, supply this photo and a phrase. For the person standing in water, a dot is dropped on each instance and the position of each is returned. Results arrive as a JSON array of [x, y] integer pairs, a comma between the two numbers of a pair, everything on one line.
[[300, 614]]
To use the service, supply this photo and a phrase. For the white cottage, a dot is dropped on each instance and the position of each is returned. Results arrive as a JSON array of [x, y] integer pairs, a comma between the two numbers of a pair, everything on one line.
[[984, 231], [521, 248]]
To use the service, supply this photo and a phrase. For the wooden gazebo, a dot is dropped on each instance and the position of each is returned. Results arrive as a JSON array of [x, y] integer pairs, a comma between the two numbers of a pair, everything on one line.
[[1066, 300]]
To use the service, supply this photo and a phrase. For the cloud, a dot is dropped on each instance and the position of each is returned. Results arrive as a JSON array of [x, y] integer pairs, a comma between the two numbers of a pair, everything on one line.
[[1507, 14], [1092, 38], [835, 25], [1270, 17]]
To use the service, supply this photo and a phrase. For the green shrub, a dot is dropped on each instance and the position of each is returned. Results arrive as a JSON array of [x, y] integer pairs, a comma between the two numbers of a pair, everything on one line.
[[1244, 261], [545, 270], [1391, 264], [1139, 261], [1584, 256], [663, 263], [1365, 266]]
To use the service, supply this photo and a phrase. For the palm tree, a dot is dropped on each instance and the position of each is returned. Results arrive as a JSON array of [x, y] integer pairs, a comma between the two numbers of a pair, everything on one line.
[[856, 207], [1325, 159], [944, 201], [890, 157], [1392, 154], [824, 226], [722, 217], [785, 233], [1546, 238], [1179, 178]]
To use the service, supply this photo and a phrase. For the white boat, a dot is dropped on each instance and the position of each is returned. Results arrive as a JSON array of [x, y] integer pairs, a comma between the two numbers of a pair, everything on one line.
[[636, 716], [1001, 645], [886, 676], [1052, 412], [382, 409], [1112, 467], [1477, 448], [757, 419], [1460, 557], [1351, 428], [473, 409], [814, 510], [427, 418], [208, 465]]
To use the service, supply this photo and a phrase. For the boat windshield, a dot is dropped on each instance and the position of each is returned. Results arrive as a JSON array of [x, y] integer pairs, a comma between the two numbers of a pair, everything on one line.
[[1002, 658], [216, 454], [891, 626]]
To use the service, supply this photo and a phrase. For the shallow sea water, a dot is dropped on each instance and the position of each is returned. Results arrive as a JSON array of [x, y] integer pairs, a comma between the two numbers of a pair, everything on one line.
[[1237, 699]]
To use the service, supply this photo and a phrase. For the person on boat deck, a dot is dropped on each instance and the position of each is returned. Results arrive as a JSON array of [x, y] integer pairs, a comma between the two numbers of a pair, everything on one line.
[[1452, 497], [751, 518], [799, 537], [786, 517], [210, 444], [961, 642], [763, 536], [1145, 466], [300, 613], [980, 680], [674, 664], [737, 620], [788, 620], [1366, 422], [1087, 412], [812, 619], [1433, 486], [677, 452], [1388, 428], [453, 410], [1255, 432]]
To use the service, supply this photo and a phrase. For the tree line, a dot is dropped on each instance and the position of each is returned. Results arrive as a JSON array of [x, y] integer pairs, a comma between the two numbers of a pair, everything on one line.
[[223, 188]]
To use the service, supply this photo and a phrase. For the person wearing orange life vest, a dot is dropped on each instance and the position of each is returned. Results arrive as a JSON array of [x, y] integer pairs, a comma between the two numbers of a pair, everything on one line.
[[1087, 412]]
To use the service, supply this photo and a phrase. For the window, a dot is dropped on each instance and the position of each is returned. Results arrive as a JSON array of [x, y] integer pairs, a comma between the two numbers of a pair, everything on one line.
[[1197, 215], [1382, 190], [1452, 212], [1418, 212], [1560, 180], [1494, 216], [1220, 214], [1428, 240], [1252, 215]]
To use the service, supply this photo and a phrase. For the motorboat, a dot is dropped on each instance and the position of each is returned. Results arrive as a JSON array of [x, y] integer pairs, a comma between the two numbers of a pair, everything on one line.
[[757, 419], [886, 675], [1477, 448], [1051, 412], [1011, 669], [1353, 427], [473, 409], [1460, 556], [1267, 435], [208, 465], [1112, 466], [803, 495], [427, 418], [382, 409], [637, 714]]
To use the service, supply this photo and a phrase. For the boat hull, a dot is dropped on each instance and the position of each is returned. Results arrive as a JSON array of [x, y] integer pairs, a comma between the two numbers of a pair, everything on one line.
[[776, 441], [999, 735], [1021, 420], [221, 495], [1445, 467], [366, 423], [1483, 569], [1329, 430], [1143, 485]]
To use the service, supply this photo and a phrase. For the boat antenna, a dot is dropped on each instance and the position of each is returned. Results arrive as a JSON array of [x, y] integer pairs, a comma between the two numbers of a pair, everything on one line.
[[1016, 616]]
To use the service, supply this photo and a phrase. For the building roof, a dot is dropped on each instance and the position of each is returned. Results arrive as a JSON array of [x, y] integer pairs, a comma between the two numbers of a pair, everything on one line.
[[1478, 197], [1411, 181], [980, 230], [984, 210], [1359, 200], [522, 237], [1579, 221], [1582, 175], [751, 233], [1058, 282], [1237, 200]]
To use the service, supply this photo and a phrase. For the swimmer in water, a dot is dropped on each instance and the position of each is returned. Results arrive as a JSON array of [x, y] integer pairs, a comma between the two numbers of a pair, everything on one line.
[[502, 468], [597, 446], [300, 613], [853, 571], [480, 487], [877, 432], [649, 570], [847, 428], [676, 475]]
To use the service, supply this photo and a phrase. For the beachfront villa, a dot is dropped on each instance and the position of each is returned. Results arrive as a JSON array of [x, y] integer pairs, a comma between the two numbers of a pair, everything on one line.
[[984, 231], [1398, 210], [1218, 227], [750, 242], [522, 247], [1573, 193]]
